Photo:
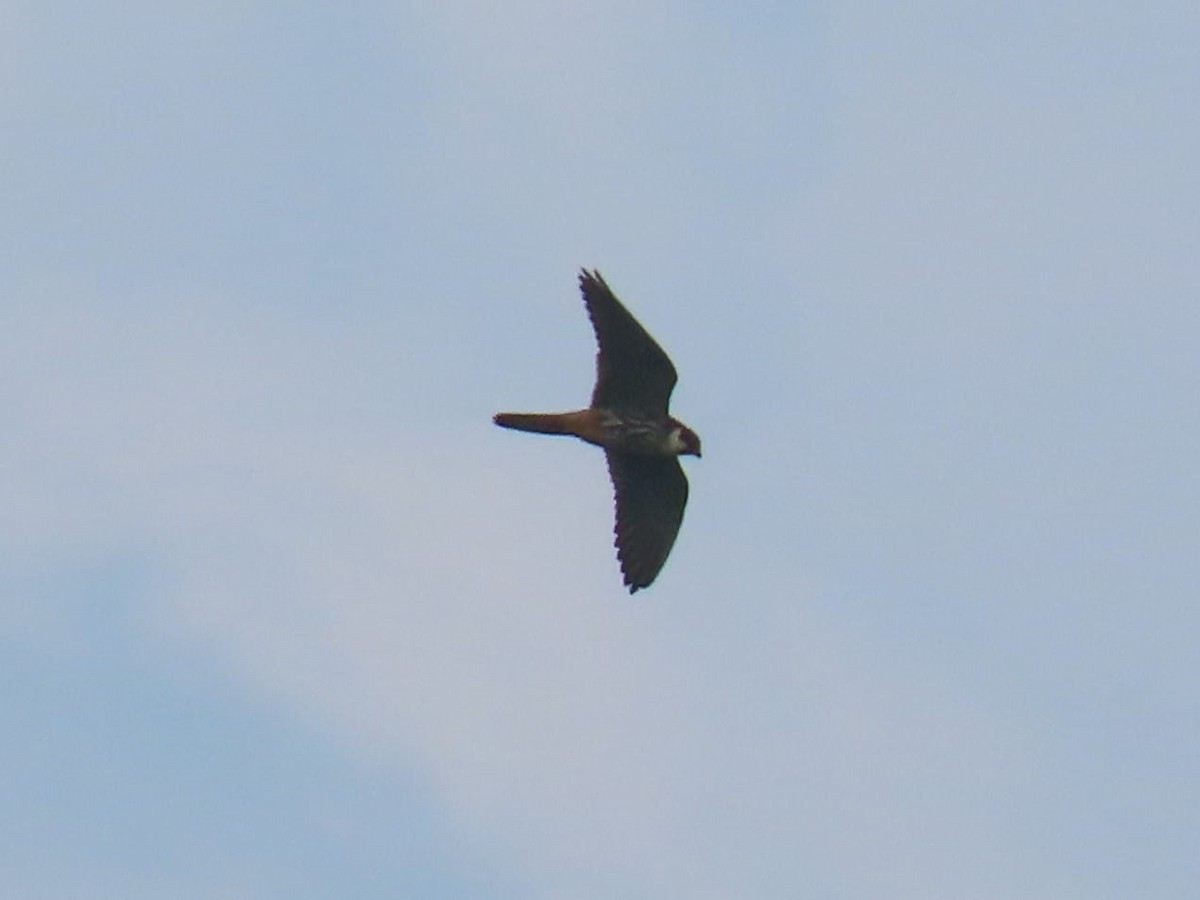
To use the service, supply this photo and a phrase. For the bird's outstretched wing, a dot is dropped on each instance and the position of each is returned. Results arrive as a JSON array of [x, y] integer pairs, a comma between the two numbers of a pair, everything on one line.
[[633, 374], [651, 493]]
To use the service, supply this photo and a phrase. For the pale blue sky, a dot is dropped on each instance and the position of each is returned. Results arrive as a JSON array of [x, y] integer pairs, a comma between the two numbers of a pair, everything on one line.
[[283, 615]]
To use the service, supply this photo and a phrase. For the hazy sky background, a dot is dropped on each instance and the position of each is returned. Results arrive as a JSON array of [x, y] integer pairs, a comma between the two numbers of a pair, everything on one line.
[[284, 615]]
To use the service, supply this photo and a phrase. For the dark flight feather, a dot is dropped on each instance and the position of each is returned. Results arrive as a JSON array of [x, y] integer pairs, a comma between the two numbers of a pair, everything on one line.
[[633, 374], [651, 493]]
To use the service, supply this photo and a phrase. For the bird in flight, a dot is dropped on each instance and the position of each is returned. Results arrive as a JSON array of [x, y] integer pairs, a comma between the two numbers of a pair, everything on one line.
[[628, 418]]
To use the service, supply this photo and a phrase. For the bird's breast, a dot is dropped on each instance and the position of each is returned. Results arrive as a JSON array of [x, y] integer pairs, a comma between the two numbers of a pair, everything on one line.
[[633, 434]]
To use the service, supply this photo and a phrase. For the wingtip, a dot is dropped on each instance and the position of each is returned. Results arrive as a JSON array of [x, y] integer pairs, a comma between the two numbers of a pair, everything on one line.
[[587, 275], [634, 583]]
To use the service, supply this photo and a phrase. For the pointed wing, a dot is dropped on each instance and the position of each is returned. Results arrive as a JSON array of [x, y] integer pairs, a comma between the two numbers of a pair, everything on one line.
[[651, 493], [633, 374]]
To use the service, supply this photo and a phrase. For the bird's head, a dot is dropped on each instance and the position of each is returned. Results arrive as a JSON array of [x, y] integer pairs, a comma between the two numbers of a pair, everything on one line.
[[684, 441]]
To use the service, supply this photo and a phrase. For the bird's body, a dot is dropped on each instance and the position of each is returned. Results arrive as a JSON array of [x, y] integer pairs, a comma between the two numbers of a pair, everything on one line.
[[628, 417], [605, 428]]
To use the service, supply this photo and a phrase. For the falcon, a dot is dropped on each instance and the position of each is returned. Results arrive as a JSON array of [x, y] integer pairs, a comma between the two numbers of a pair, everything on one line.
[[628, 418]]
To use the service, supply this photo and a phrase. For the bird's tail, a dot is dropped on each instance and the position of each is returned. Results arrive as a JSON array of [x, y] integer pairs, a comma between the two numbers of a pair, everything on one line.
[[542, 423]]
